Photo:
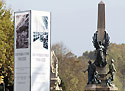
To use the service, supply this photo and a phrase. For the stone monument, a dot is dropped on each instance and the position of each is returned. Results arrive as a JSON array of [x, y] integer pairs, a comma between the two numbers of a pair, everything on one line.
[[98, 78]]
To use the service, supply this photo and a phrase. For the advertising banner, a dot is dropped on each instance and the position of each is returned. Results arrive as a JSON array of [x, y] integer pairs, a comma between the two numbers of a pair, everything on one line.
[[32, 51], [40, 51], [22, 51]]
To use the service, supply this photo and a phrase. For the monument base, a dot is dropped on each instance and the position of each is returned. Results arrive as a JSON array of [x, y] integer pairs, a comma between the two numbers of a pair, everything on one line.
[[99, 87], [55, 85]]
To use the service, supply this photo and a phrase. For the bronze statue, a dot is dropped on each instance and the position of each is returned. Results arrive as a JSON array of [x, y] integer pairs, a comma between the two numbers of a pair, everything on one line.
[[112, 70], [91, 71], [96, 78], [109, 82], [101, 48]]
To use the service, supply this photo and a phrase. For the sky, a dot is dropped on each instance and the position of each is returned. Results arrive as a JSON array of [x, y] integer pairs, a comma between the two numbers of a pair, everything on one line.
[[74, 22]]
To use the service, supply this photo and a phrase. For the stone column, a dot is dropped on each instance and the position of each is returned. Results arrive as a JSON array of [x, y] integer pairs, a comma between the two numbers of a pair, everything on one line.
[[101, 21], [101, 32]]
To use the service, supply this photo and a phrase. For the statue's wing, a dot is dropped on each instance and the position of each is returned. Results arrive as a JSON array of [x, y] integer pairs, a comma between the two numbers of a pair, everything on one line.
[[95, 43], [106, 40]]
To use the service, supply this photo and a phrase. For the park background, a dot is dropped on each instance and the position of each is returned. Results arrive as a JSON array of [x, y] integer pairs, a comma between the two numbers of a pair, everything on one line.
[[73, 24]]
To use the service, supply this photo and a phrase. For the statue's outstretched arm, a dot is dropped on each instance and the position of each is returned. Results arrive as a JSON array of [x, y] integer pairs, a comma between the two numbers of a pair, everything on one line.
[[85, 70]]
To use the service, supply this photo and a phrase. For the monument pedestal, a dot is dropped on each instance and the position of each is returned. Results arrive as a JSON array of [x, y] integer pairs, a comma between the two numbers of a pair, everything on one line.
[[103, 86], [54, 85], [99, 87]]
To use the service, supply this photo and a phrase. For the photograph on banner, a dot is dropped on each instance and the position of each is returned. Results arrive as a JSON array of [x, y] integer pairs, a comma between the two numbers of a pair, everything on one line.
[[41, 37], [22, 27], [45, 21]]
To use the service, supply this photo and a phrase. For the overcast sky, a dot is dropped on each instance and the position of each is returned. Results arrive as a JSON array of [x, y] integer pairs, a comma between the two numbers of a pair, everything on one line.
[[75, 21]]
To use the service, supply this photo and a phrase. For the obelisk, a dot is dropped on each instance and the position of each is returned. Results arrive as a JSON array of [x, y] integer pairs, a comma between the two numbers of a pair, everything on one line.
[[101, 21], [101, 30]]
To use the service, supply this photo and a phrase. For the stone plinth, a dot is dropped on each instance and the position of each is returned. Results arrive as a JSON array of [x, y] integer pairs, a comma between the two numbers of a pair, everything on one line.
[[55, 85], [99, 87], [102, 74], [101, 70]]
